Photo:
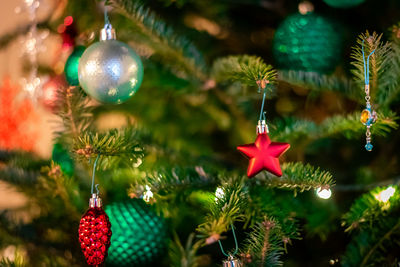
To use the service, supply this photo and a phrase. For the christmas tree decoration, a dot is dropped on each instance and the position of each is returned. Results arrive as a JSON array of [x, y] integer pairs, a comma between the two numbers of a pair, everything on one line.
[[232, 262], [68, 32], [95, 233], [343, 3], [61, 156], [307, 42], [323, 193], [368, 115], [71, 66], [139, 235], [263, 154], [18, 119], [109, 70]]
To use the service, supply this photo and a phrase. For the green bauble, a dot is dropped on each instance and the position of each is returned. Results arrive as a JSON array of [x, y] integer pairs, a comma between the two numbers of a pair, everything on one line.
[[343, 3], [307, 43], [61, 156], [138, 234], [71, 66]]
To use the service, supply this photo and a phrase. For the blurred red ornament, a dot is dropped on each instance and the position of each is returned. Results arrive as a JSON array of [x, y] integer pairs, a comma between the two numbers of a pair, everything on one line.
[[68, 32], [264, 155], [17, 119], [50, 91], [95, 233]]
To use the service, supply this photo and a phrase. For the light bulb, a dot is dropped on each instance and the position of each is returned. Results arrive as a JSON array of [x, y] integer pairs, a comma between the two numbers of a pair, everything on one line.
[[219, 193], [323, 193], [384, 195]]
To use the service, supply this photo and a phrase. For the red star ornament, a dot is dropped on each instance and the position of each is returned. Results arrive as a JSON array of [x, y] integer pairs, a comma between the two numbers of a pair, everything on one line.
[[263, 155]]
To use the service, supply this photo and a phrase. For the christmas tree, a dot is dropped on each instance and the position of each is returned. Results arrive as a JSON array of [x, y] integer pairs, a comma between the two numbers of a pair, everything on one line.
[[152, 103]]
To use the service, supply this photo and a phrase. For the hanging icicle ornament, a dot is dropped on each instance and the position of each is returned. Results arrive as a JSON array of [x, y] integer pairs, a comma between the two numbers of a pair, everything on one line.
[[368, 115], [32, 45], [109, 70], [263, 154], [95, 229], [231, 261]]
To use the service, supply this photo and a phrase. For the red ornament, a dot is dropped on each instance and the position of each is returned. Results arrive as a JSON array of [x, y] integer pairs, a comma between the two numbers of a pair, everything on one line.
[[95, 233], [263, 154]]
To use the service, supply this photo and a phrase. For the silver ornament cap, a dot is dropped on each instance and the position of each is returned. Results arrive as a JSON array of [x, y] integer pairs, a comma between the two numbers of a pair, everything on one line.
[[262, 127], [95, 201], [232, 262], [107, 33]]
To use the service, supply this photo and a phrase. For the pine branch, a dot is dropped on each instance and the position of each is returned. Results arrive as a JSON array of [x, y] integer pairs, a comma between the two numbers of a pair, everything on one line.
[[391, 76], [379, 61], [227, 209], [296, 131], [297, 176], [350, 126], [114, 147], [370, 207], [75, 112], [320, 82], [376, 246], [184, 256], [168, 46], [249, 70], [265, 244], [374, 217]]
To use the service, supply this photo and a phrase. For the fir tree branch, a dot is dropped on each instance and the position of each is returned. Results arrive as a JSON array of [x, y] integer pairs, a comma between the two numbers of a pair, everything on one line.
[[227, 209], [168, 46], [297, 176], [304, 131], [265, 244], [246, 69], [321, 82], [379, 62], [114, 146], [379, 243], [370, 207]]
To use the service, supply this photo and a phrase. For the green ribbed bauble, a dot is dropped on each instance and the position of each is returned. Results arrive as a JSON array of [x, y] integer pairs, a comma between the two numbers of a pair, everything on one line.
[[307, 43], [71, 66], [343, 3], [138, 234]]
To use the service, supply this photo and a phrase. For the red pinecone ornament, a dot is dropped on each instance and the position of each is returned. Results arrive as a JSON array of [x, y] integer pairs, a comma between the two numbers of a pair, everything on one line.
[[95, 233]]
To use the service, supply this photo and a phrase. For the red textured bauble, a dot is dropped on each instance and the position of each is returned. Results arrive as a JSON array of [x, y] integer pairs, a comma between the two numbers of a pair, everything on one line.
[[95, 235], [264, 155]]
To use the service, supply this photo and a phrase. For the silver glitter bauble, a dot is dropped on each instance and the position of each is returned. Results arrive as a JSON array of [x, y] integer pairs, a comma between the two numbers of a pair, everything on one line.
[[110, 71]]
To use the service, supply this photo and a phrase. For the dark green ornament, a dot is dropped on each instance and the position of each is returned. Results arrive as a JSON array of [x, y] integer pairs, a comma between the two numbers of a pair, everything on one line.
[[61, 156], [343, 3], [138, 234], [307, 42], [71, 66]]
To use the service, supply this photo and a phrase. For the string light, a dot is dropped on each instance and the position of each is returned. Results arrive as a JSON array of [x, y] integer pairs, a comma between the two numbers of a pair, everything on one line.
[[323, 193], [219, 194], [386, 194], [147, 195]]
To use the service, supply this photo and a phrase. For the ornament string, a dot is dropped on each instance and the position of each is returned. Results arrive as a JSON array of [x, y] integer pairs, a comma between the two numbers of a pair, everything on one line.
[[106, 19], [366, 64], [371, 114], [262, 113], [93, 174], [236, 244]]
